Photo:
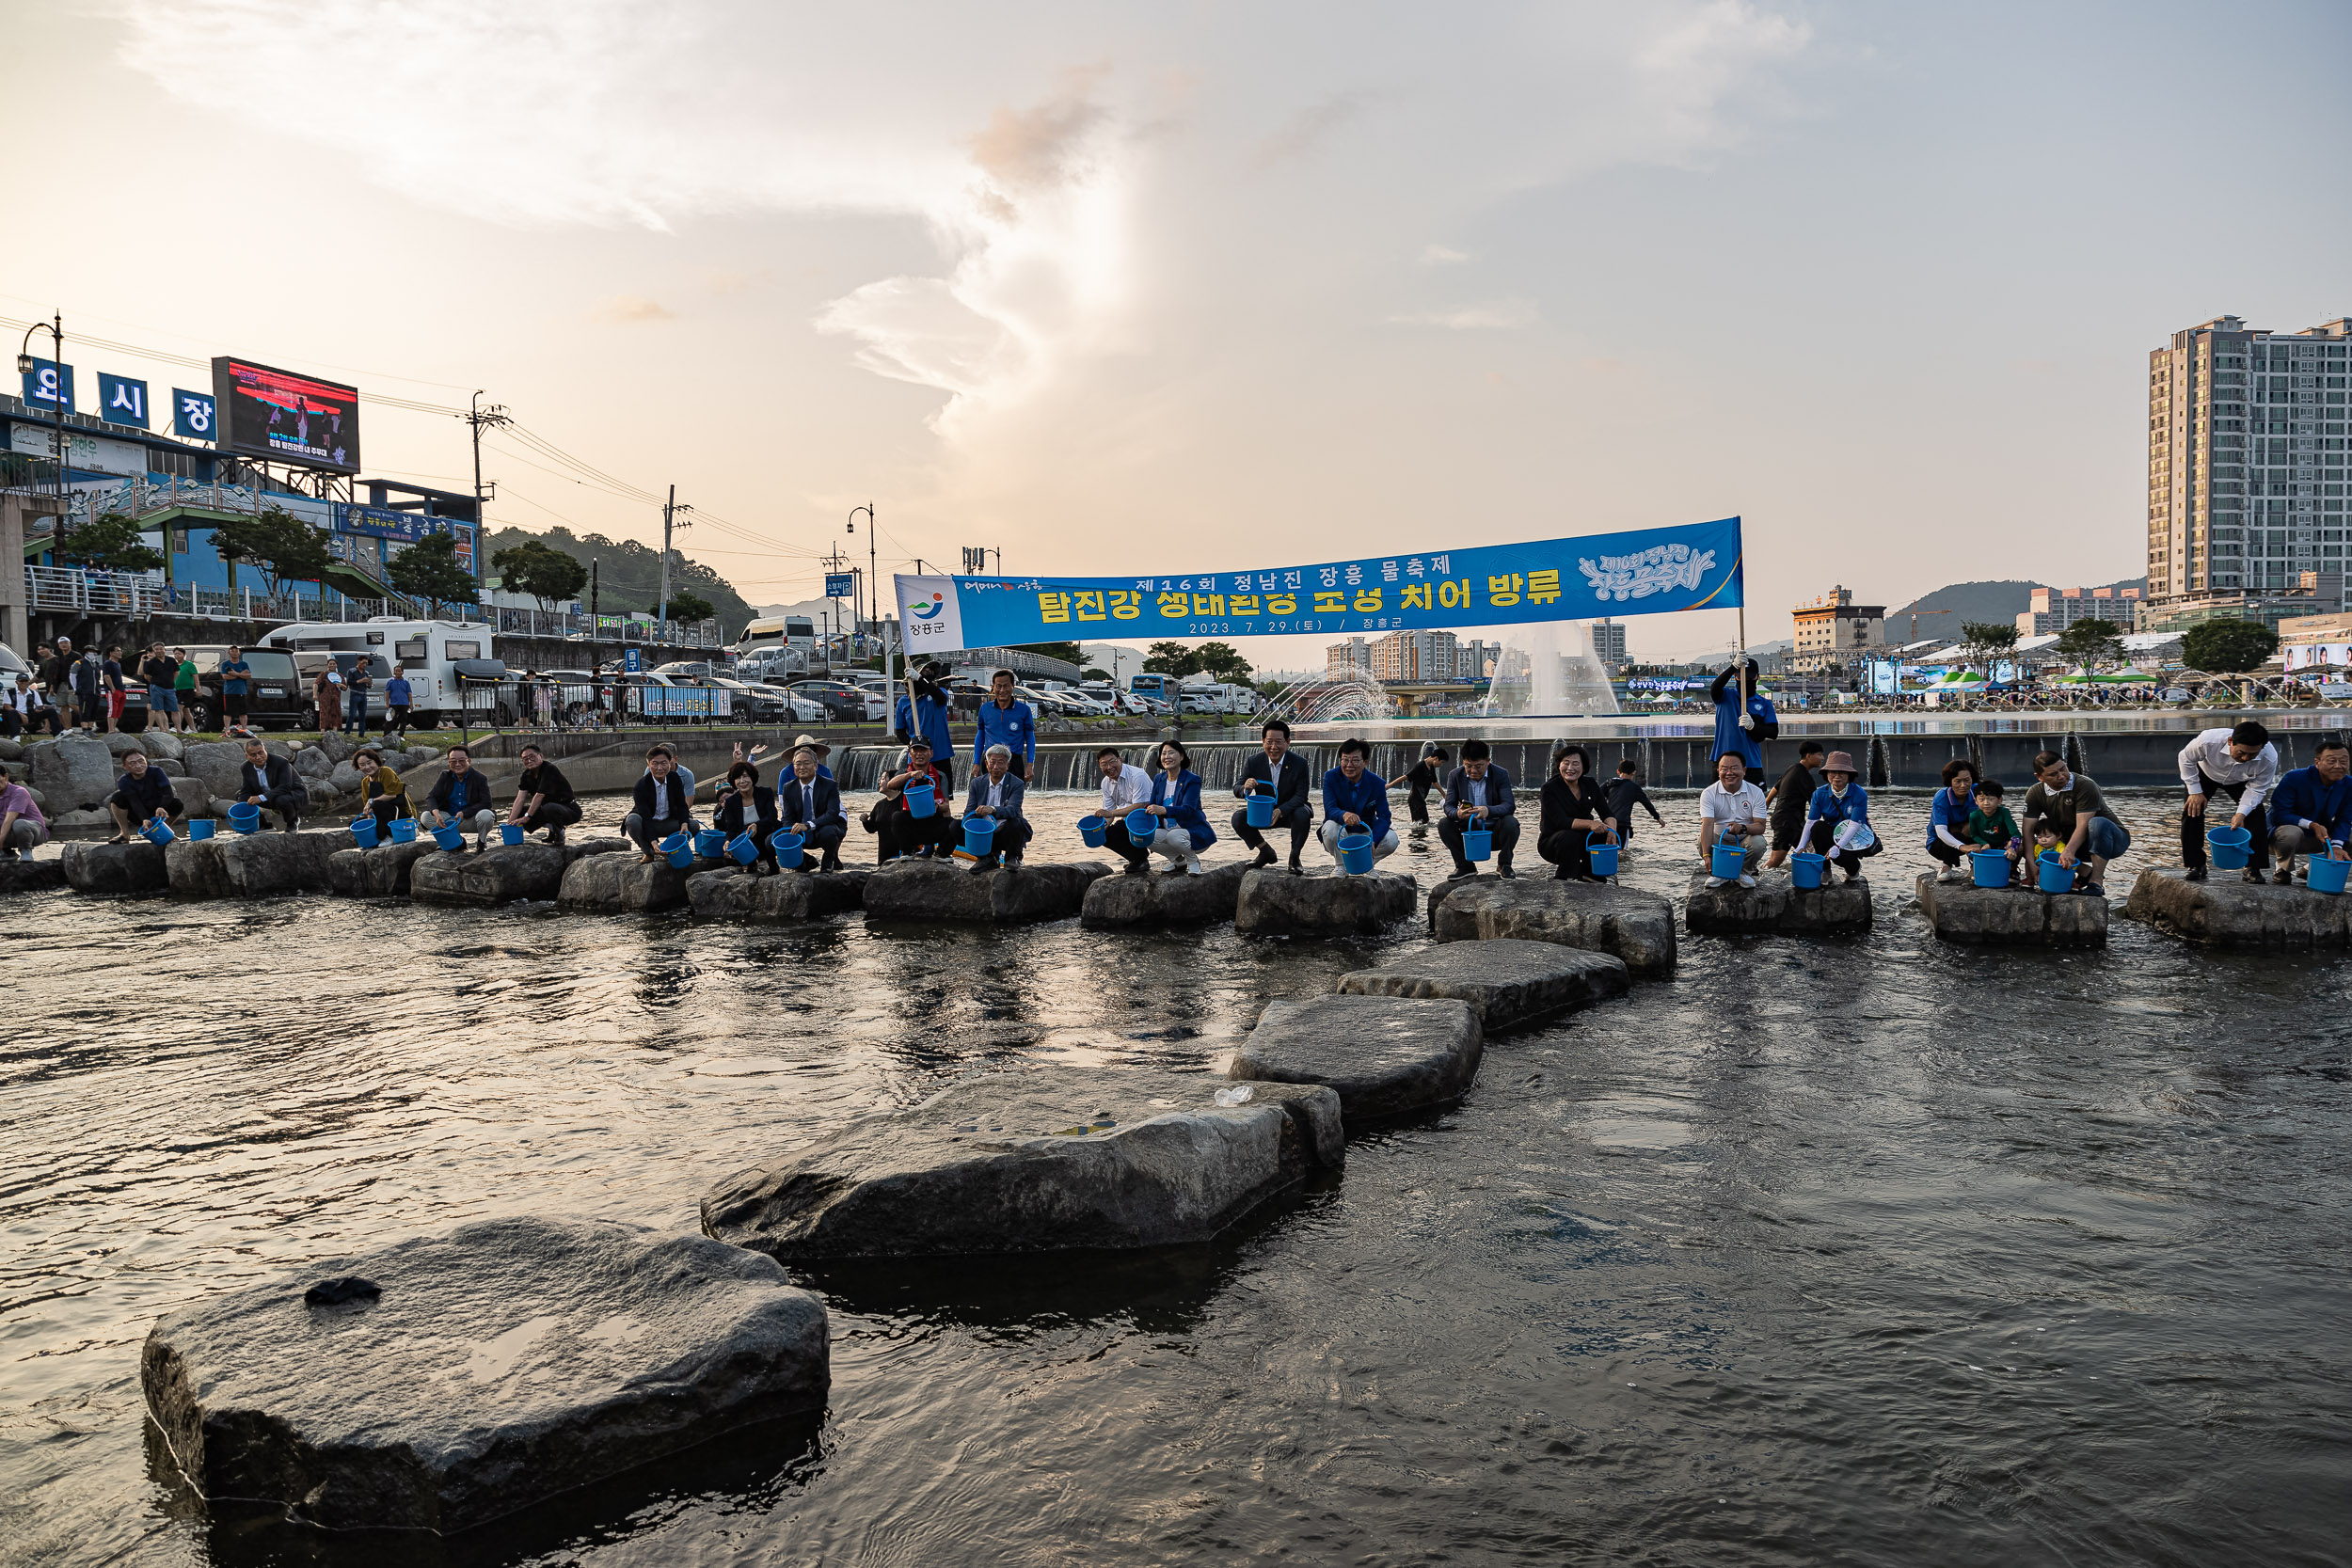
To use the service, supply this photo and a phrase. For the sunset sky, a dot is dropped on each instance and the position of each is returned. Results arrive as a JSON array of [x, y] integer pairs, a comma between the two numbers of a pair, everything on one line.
[[1137, 289]]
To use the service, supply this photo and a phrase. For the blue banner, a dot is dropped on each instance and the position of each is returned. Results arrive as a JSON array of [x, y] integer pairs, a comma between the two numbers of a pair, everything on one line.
[[839, 585], [121, 399], [47, 384], [1642, 572], [192, 416]]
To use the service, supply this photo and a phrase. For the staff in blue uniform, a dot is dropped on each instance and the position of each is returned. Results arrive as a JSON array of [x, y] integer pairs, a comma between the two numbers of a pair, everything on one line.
[[927, 717], [1743, 719], [1006, 721], [1834, 804], [1356, 800], [2311, 810]]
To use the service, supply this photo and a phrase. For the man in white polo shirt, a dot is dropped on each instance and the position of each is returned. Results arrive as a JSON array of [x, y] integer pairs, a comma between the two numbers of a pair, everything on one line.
[[1731, 811], [2239, 762]]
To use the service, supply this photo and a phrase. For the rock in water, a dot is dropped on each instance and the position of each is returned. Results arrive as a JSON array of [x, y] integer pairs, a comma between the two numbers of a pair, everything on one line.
[[1161, 901], [1599, 917], [24, 876], [196, 869], [1775, 904], [256, 863], [2234, 913], [378, 873], [495, 1365], [943, 890], [2012, 917], [1036, 1161], [502, 874], [1273, 902], [1382, 1056], [622, 885], [134, 867], [732, 894], [1505, 982]]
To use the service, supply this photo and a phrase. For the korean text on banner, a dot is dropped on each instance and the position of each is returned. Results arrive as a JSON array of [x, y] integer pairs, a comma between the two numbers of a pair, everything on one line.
[[1641, 572]]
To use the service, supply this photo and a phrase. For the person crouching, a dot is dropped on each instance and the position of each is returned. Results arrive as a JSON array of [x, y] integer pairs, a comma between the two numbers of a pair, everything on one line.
[[749, 805], [996, 794], [810, 804], [663, 804]]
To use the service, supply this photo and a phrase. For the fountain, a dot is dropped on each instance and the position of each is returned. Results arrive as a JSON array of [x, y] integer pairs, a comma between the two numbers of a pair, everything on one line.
[[1563, 677], [1353, 693]]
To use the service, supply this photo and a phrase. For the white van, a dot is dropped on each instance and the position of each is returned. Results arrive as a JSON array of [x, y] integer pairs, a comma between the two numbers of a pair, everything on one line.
[[428, 652]]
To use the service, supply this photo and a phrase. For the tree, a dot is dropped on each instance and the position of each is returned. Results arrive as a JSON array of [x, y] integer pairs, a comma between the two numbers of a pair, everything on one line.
[[1170, 659], [112, 543], [628, 572], [429, 570], [687, 608], [2228, 647], [546, 574], [2091, 642], [1987, 640], [1093, 674], [1221, 660], [279, 546]]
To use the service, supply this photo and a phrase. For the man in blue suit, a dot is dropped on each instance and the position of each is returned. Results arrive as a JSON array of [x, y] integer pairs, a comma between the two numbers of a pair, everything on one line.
[[810, 805], [1356, 800]]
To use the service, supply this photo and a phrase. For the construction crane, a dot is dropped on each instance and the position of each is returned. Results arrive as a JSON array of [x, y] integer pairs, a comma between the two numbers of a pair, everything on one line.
[[1914, 615]]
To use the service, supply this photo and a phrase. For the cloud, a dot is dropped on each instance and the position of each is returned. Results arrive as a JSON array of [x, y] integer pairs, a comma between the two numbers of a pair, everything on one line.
[[1441, 255], [1306, 129], [634, 307], [1500, 316]]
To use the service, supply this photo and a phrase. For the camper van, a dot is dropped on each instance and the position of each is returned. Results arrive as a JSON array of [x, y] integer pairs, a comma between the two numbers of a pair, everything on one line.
[[432, 654]]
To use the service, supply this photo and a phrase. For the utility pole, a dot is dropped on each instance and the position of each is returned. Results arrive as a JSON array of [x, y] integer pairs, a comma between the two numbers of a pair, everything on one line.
[[594, 626], [873, 578], [672, 514], [492, 417]]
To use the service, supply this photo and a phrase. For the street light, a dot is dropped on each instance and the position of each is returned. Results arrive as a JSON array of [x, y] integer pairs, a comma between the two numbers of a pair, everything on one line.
[[873, 584], [55, 326]]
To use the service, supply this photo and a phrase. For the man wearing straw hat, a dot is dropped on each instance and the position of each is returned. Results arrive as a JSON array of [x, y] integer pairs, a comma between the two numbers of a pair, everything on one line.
[[902, 832], [807, 742]]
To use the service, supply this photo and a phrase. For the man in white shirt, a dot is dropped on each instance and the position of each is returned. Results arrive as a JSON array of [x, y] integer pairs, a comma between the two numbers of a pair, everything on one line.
[[2243, 764], [1125, 786], [1731, 811]]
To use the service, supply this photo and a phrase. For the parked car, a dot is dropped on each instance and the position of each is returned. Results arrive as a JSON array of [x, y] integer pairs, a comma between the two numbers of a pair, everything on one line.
[[805, 709], [842, 702], [275, 698], [761, 705]]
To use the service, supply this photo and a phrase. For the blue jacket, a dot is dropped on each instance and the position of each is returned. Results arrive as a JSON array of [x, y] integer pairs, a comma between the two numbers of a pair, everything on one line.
[[932, 714], [1368, 798], [821, 809], [1184, 808], [976, 795], [1946, 813], [1729, 737], [1014, 728], [1827, 807], [396, 693], [2302, 796]]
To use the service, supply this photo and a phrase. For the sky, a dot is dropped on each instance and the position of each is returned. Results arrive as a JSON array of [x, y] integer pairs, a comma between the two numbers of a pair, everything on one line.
[[1140, 289]]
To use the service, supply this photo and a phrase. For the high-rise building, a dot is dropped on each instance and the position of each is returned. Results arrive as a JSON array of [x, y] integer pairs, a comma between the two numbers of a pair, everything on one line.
[[2246, 462], [1833, 631], [2056, 609], [1608, 643], [1346, 660]]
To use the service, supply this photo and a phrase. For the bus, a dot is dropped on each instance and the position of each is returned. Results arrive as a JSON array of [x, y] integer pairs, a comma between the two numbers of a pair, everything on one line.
[[1159, 688]]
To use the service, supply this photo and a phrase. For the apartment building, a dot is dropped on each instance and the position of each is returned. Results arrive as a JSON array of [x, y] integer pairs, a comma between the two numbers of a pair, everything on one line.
[[1415, 658], [2054, 609], [1833, 631]]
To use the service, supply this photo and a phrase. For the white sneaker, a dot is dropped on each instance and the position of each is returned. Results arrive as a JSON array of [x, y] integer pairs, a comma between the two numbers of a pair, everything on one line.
[[1746, 881], [1952, 874], [1715, 882], [1194, 867]]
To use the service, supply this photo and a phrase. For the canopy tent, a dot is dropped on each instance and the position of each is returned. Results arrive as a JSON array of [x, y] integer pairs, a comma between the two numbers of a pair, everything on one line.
[[2112, 677]]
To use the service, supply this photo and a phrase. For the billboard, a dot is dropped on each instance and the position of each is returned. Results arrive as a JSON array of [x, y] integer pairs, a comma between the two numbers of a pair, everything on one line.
[[290, 417]]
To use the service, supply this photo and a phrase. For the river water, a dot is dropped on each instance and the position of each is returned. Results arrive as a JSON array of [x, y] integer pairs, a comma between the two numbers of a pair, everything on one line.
[[1869, 1251]]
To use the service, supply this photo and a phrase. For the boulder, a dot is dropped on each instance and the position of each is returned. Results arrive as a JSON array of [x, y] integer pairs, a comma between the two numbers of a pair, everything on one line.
[[378, 873], [99, 867], [731, 895], [944, 890], [196, 869], [81, 823], [29, 876], [1599, 917], [1275, 902], [622, 885], [344, 779], [2229, 913], [1505, 982], [121, 744], [312, 762], [221, 763], [162, 745], [1382, 1056], [1775, 904], [1038, 1160], [447, 1381], [75, 772], [2012, 916], [503, 874], [1164, 900], [194, 794], [11, 751], [256, 863], [338, 746]]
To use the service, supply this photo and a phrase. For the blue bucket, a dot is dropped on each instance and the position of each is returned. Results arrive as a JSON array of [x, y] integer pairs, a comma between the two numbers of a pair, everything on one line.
[[1259, 809], [1604, 857], [449, 835], [922, 799], [245, 817], [404, 830], [1478, 844], [979, 834], [363, 830], [509, 833], [678, 849], [157, 832], [743, 848], [1806, 870], [1727, 861], [710, 843], [200, 828], [787, 847], [2232, 848], [2326, 874], [1990, 867], [2052, 877], [1091, 831], [1355, 854], [1142, 825]]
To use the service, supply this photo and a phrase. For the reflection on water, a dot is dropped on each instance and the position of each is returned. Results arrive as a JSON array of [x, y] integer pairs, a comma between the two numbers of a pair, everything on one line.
[[1866, 1249]]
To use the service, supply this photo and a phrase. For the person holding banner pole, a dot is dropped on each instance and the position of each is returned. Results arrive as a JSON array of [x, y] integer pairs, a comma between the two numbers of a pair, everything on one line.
[[922, 713]]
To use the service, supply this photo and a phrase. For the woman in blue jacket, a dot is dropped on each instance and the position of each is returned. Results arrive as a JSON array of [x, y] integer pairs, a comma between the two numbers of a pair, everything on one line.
[[1185, 829], [1834, 804]]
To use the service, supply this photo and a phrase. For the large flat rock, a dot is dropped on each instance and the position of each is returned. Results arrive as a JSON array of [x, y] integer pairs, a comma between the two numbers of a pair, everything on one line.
[[2010, 916], [378, 873], [138, 866], [31, 876], [257, 863], [2235, 914], [622, 885], [74, 772], [1599, 917], [943, 890], [1275, 902], [1382, 1056], [1164, 899], [195, 868], [498, 1365], [1506, 982], [1047, 1158], [734, 895], [503, 874], [1775, 904]]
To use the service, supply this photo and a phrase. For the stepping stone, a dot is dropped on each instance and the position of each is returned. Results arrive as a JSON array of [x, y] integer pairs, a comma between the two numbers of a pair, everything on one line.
[[2010, 916], [622, 885], [1775, 904], [378, 873], [734, 895], [1040, 1160], [27, 876], [1599, 917], [256, 863], [1506, 982], [944, 890], [1159, 900], [503, 874], [195, 868], [442, 1383], [1274, 902], [2227, 911], [1382, 1056], [134, 867]]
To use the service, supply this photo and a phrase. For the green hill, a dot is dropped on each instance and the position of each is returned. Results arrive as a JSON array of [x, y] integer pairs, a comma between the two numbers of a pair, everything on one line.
[[629, 575], [2002, 601]]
